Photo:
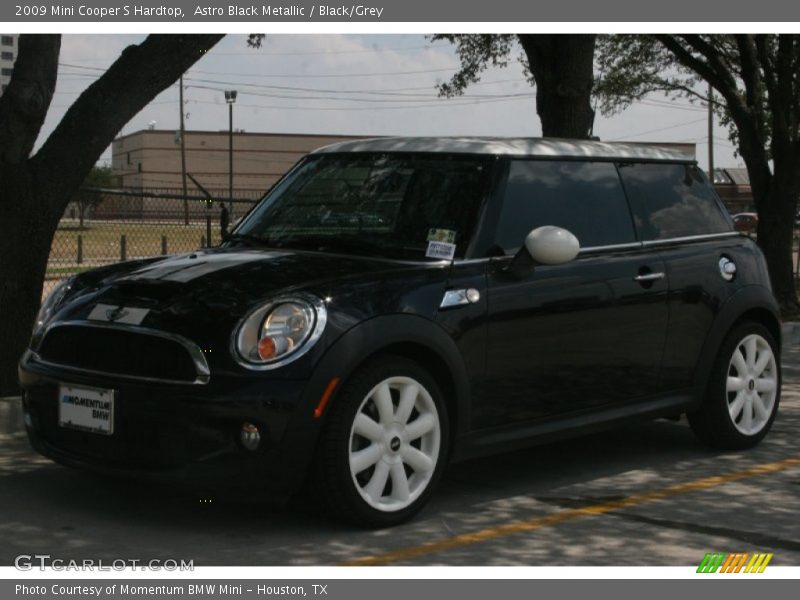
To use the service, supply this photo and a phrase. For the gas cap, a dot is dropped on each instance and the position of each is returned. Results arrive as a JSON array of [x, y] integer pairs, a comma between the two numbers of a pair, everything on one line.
[[727, 268]]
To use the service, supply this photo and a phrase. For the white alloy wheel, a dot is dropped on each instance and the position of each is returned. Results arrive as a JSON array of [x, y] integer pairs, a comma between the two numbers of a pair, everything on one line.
[[394, 444], [752, 384]]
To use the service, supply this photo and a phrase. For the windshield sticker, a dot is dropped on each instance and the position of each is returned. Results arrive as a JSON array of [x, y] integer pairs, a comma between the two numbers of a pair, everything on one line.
[[447, 236], [441, 250]]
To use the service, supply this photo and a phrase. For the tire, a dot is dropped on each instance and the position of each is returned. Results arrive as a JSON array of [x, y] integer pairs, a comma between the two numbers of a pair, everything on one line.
[[743, 392], [384, 444]]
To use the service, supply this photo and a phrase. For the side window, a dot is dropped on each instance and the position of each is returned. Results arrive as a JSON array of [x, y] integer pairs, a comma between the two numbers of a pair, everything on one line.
[[584, 197], [672, 200]]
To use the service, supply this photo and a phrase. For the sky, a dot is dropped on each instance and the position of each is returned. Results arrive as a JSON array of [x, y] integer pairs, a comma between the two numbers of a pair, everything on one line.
[[360, 85]]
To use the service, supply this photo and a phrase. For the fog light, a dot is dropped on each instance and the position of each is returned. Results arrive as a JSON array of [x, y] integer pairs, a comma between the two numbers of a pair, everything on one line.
[[250, 436]]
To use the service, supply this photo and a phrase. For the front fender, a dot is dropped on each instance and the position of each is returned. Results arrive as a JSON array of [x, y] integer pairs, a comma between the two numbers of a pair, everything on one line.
[[365, 340]]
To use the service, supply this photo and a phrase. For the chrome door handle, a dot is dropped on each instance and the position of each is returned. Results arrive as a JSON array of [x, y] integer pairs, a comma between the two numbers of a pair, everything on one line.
[[649, 277]]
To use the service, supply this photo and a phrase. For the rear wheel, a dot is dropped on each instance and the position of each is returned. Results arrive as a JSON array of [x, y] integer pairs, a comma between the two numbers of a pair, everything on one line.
[[744, 390], [384, 444]]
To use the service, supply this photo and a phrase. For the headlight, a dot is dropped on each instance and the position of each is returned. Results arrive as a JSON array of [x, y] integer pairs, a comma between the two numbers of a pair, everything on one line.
[[51, 303], [279, 332]]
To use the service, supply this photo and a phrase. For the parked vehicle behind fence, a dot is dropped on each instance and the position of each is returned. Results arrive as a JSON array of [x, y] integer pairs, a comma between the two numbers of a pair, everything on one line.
[[396, 304]]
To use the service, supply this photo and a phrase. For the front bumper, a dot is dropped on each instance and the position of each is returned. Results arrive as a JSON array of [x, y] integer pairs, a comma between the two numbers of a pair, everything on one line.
[[181, 434]]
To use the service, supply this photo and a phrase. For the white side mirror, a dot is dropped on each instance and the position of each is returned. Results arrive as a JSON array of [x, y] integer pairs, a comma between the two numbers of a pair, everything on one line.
[[551, 245]]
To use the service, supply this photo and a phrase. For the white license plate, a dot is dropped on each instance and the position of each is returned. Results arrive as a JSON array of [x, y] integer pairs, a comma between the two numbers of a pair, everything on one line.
[[87, 409]]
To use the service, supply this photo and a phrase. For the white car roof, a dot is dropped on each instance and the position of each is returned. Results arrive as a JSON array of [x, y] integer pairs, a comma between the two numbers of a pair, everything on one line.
[[533, 147]]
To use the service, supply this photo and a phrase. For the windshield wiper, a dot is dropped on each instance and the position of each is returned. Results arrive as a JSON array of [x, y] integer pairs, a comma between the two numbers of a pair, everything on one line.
[[246, 237]]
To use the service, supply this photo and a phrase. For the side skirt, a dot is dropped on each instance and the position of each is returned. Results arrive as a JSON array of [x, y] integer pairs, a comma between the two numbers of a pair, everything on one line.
[[507, 438]]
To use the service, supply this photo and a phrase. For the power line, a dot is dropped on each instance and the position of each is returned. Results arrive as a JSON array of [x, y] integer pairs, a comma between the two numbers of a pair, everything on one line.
[[676, 126], [293, 75]]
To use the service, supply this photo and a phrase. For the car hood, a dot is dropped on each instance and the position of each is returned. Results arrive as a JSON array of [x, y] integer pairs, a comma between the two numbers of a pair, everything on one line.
[[217, 286]]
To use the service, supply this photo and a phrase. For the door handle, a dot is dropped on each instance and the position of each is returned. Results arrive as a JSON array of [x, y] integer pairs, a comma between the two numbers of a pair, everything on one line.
[[644, 277]]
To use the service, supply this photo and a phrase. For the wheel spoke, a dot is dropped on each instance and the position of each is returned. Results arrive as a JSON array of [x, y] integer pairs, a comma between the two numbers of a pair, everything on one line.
[[764, 359], [761, 411], [735, 407], [383, 400], [368, 428], [765, 384], [735, 383], [374, 488], [417, 460], [408, 397], [420, 426], [363, 459], [739, 362], [747, 414], [399, 482], [750, 345]]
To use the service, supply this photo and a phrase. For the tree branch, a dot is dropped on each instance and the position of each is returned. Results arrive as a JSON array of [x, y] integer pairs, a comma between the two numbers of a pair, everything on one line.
[[89, 126], [24, 105]]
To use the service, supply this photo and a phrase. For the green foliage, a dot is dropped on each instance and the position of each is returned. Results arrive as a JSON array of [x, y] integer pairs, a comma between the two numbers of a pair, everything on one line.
[[630, 67], [477, 52], [98, 177]]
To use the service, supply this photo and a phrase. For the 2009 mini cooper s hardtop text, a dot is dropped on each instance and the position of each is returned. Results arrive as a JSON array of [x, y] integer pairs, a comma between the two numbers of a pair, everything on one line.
[[395, 304]]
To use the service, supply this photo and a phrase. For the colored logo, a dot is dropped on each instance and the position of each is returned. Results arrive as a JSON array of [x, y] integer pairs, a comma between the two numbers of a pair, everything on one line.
[[738, 562]]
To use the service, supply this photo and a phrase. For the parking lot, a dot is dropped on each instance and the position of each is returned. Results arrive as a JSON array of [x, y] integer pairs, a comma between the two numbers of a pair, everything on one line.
[[644, 495]]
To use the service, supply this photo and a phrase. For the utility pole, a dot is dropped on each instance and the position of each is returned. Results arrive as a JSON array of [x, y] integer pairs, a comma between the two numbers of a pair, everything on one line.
[[183, 158], [711, 134], [230, 98]]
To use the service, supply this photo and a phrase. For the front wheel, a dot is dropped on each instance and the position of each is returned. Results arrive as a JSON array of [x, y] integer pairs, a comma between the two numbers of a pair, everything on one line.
[[384, 444], [744, 390]]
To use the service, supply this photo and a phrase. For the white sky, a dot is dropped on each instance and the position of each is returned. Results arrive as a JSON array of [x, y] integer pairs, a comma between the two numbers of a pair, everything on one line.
[[335, 70]]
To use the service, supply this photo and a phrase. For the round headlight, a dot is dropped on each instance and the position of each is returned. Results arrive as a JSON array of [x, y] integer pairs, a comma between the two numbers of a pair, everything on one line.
[[279, 332]]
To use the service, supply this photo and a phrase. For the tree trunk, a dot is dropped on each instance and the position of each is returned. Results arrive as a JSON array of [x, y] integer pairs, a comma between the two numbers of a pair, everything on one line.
[[23, 261], [776, 214], [562, 66]]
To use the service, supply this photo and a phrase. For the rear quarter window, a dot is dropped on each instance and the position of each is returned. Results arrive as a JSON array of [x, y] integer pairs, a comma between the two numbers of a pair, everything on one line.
[[672, 200]]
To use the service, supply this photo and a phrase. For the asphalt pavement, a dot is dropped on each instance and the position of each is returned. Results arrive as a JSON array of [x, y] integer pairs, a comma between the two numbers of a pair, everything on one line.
[[643, 495]]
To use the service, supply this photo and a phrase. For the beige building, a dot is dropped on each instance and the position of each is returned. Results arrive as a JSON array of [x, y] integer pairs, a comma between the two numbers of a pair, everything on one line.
[[8, 55], [152, 159]]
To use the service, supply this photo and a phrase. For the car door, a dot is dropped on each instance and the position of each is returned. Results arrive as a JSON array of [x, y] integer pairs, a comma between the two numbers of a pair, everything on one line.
[[680, 216], [576, 336]]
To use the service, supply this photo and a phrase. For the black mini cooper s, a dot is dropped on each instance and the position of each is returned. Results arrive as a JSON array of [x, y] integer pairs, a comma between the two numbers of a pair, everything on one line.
[[394, 304]]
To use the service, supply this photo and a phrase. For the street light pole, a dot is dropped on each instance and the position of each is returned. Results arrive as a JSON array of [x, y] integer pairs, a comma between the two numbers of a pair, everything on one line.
[[230, 98]]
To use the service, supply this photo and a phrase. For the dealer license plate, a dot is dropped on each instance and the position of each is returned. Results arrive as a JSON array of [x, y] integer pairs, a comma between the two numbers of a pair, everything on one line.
[[87, 409]]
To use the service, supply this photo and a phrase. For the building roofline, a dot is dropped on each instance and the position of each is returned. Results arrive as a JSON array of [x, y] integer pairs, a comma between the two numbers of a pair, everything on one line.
[[248, 133]]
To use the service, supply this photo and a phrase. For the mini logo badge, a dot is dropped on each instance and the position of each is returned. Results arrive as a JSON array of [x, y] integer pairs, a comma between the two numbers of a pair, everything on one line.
[[116, 313], [109, 313]]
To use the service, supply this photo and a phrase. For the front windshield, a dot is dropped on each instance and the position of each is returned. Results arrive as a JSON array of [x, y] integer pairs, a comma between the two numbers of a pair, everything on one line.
[[391, 205]]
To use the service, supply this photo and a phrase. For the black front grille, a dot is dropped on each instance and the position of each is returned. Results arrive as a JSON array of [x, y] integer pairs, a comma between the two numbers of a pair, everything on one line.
[[118, 351]]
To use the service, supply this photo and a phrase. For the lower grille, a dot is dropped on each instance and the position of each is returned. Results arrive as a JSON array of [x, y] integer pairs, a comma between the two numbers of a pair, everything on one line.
[[124, 351]]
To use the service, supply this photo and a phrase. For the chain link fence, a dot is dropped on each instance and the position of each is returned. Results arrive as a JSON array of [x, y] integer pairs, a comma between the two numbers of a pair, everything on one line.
[[103, 226]]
